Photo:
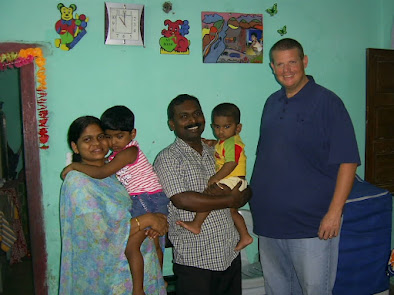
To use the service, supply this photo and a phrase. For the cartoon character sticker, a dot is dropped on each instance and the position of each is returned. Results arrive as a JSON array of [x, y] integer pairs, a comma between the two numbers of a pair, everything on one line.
[[174, 40], [70, 29]]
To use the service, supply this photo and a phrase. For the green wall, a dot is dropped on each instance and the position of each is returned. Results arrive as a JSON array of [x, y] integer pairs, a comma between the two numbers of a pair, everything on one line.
[[93, 76]]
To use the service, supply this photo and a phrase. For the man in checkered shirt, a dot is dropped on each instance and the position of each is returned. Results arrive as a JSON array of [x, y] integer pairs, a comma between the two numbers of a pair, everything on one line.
[[205, 263]]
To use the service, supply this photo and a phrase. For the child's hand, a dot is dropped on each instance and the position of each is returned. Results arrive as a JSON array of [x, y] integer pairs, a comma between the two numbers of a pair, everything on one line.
[[215, 189], [151, 233], [212, 180], [66, 170], [210, 142]]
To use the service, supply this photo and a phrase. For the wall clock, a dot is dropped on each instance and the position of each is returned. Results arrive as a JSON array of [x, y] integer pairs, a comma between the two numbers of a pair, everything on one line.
[[124, 24]]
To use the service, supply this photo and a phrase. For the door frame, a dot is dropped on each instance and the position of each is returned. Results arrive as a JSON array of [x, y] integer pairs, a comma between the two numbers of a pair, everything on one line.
[[32, 168]]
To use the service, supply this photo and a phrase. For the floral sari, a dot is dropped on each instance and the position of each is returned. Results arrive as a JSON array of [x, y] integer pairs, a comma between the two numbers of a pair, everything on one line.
[[94, 216]]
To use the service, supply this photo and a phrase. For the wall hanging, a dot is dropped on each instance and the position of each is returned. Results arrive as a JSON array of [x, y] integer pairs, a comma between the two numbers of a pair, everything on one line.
[[124, 24], [282, 31], [70, 29], [273, 11], [232, 37], [174, 40]]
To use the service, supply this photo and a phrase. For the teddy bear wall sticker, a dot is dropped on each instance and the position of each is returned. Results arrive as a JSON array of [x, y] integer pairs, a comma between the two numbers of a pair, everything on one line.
[[70, 28]]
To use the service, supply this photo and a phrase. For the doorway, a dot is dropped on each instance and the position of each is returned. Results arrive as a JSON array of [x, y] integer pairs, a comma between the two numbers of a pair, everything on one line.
[[379, 158], [32, 168]]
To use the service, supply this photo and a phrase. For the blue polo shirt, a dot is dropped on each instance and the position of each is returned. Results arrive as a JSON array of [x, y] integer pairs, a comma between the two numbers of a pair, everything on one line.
[[303, 140]]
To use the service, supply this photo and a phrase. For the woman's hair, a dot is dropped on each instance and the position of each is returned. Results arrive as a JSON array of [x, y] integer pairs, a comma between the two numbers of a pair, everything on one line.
[[77, 128], [118, 118]]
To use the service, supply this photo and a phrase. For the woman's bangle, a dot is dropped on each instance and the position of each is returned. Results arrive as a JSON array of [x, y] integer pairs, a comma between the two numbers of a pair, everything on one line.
[[138, 223]]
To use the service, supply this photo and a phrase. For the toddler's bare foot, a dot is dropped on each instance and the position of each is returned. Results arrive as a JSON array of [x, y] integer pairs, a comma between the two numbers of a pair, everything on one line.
[[138, 292], [190, 226], [243, 242]]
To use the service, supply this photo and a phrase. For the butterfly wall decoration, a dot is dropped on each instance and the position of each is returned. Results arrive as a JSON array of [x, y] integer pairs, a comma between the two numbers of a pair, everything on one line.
[[282, 31], [273, 10]]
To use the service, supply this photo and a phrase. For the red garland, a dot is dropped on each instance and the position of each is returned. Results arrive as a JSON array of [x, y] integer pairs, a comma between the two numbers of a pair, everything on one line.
[[17, 63], [42, 118]]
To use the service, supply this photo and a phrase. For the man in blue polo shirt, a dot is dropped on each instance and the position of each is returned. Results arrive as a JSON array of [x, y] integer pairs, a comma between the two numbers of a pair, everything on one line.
[[306, 160]]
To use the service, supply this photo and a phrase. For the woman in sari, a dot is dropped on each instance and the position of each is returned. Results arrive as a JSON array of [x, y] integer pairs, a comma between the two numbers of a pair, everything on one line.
[[96, 225]]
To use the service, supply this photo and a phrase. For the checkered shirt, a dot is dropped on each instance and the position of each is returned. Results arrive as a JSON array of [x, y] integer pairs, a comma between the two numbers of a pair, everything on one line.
[[180, 169]]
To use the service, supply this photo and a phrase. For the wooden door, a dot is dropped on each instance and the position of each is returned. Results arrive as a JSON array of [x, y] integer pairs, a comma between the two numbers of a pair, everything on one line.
[[379, 160]]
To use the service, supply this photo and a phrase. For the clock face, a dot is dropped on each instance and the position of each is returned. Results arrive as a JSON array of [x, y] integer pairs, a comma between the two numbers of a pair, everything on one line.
[[124, 24]]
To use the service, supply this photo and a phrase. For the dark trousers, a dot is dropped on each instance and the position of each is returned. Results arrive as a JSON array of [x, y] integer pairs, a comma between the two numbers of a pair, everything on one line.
[[197, 281]]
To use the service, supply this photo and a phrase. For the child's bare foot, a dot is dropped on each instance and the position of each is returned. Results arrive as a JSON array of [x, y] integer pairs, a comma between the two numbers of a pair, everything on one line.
[[245, 240], [190, 226]]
